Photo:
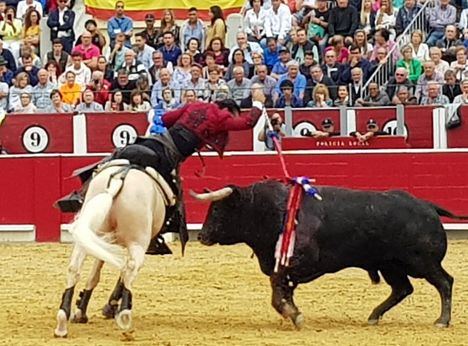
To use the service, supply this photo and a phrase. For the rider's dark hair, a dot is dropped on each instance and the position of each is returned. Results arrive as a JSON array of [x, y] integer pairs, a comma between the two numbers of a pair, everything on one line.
[[228, 104]]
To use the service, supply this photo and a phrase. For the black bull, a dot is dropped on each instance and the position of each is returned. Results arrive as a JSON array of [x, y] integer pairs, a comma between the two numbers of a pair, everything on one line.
[[390, 232]]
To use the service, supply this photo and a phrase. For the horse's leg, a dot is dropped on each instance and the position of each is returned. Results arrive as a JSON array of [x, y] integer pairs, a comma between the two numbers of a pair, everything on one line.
[[110, 309], [73, 275], [85, 295], [134, 263]]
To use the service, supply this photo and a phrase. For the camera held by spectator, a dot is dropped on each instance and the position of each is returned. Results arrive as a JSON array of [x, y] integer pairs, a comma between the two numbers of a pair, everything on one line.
[[267, 134]]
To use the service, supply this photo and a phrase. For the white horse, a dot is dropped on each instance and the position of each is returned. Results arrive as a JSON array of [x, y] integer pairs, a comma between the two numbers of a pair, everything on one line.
[[123, 210]]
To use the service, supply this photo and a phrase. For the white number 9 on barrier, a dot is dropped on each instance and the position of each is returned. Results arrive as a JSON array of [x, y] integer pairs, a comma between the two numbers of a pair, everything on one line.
[[35, 139], [124, 135]]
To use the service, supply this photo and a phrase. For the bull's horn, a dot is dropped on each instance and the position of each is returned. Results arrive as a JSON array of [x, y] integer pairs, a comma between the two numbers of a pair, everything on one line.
[[212, 196]]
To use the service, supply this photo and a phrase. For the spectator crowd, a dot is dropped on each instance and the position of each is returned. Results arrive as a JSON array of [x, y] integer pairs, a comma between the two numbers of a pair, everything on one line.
[[309, 53]]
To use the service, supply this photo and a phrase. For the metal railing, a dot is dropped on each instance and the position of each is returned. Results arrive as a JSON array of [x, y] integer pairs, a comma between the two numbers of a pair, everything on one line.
[[383, 71]]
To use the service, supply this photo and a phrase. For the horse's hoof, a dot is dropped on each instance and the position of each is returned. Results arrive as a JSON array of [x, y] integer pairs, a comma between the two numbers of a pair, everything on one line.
[[108, 311], [373, 321], [298, 321], [439, 324], [124, 319], [61, 330], [79, 317]]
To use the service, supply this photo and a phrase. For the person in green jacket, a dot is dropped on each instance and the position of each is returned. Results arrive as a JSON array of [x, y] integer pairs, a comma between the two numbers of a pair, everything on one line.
[[412, 65]]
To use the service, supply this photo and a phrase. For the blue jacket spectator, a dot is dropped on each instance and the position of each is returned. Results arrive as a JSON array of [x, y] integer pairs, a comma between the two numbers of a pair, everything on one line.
[[120, 23]]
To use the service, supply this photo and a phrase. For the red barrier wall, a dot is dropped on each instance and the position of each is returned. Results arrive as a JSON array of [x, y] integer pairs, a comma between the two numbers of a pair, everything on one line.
[[30, 185]]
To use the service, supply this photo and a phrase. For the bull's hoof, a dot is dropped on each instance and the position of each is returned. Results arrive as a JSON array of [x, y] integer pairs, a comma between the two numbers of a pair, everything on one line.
[[79, 317], [61, 330], [109, 311], [440, 324], [124, 319], [373, 321], [298, 321]]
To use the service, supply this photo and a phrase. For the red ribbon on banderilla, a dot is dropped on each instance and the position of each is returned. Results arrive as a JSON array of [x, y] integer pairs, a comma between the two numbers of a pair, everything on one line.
[[299, 185]]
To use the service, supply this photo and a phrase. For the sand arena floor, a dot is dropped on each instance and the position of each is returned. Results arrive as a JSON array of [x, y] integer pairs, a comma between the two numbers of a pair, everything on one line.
[[217, 296]]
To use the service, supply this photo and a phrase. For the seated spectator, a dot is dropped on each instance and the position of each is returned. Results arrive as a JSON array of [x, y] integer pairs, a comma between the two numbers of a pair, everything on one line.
[[360, 40], [278, 21], [158, 64], [376, 97], [451, 88], [170, 49], [71, 90], [287, 98], [412, 65], [280, 68], [189, 96], [97, 37], [123, 84], [62, 58], [342, 98], [11, 31], [32, 29], [309, 61], [257, 59], [398, 81], [271, 53], [100, 88], [385, 17], [429, 75], [24, 6], [304, 45], [58, 106], [25, 105], [239, 86], [28, 50], [210, 64], [196, 82], [277, 130], [89, 52], [221, 54], [331, 68], [338, 46], [372, 130], [238, 60], [441, 66], [168, 101], [53, 70], [440, 16], [104, 67], [380, 59], [142, 84], [449, 42], [88, 104], [192, 28], [405, 15], [382, 40], [367, 18], [120, 24], [404, 97], [459, 66], [254, 21], [79, 69], [41, 92], [21, 85], [6, 76], [138, 103], [356, 85], [327, 130], [344, 20], [61, 22], [144, 51], [133, 66], [355, 60], [150, 32], [420, 49], [434, 95], [320, 97], [217, 26], [296, 78], [10, 60], [463, 97], [318, 78], [116, 103], [168, 24], [116, 58], [165, 81], [247, 47], [268, 83], [214, 83], [4, 95], [182, 71], [193, 48]]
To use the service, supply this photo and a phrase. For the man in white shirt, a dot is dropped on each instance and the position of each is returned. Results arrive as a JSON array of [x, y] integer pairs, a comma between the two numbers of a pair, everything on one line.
[[24, 5], [144, 51], [278, 21], [82, 72]]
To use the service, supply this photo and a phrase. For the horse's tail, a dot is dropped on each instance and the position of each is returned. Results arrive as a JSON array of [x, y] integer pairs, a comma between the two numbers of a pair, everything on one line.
[[91, 219]]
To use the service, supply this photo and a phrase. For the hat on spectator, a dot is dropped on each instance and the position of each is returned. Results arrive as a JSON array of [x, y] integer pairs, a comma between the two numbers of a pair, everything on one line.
[[371, 122], [283, 49], [327, 122], [3, 62], [149, 16]]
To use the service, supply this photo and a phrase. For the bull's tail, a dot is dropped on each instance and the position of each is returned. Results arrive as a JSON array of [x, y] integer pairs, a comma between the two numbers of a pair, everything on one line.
[[91, 219], [446, 213]]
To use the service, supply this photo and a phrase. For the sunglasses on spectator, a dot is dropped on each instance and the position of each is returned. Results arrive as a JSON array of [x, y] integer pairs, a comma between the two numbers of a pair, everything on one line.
[[399, 74]]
